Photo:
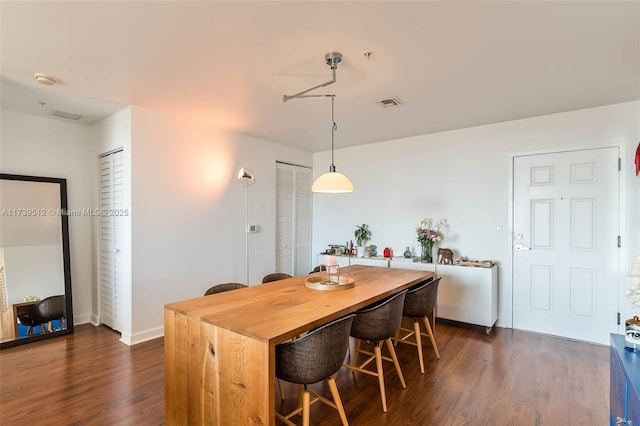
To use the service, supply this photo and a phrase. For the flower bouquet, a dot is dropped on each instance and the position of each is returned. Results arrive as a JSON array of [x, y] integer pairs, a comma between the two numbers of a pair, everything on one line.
[[428, 235]]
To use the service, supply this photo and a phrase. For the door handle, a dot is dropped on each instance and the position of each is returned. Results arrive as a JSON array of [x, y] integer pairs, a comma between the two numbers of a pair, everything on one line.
[[520, 247]]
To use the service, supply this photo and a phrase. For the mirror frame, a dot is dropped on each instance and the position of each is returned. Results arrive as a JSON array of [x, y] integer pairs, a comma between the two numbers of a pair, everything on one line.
[[65, 256]]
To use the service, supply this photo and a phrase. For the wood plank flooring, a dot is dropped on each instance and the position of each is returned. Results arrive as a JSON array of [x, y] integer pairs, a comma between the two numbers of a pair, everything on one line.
[[507, 378]]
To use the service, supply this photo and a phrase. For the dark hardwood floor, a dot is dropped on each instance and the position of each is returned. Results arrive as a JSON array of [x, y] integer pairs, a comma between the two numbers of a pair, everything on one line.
[[507, 378]]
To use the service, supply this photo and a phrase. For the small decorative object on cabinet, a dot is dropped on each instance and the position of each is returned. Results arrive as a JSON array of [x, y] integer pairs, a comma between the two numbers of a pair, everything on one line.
[[387, 252], [624, 382], [407, 252], [362, 235], [373, 250], [427, 252], [445, 256], [632, 334]]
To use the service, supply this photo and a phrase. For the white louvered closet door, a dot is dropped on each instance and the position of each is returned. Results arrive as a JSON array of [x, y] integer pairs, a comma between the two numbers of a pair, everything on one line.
[[293, 219], [111, 233]]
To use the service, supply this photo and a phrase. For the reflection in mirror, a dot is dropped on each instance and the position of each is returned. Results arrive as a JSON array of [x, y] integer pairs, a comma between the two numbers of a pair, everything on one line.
[[35, 279]]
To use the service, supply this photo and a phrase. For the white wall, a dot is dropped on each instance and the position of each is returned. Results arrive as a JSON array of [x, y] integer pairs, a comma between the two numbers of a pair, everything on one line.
[[40, 146], [464, 176], [188, 209], [22, 279]]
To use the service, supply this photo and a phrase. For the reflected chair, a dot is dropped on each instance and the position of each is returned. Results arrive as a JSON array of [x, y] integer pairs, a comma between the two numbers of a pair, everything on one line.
[[319, 268], [275, 277], [420, 302], [219, 288], [377, 323], [44, 313], [316, 356]]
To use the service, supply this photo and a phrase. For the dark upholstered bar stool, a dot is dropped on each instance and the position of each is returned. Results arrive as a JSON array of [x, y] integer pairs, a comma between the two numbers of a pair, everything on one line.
[[277, 276], [316, 356], [219, 288], [378, 323], [420, 302], [44, 313], [319, 268]]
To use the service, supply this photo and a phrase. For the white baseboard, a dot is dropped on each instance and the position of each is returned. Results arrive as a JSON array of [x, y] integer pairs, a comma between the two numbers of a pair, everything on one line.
[[141, 336], [95, 320], [82, 319]]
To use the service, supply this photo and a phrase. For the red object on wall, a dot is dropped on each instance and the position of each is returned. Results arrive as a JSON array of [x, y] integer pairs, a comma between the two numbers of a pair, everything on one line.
[[387, 252], [638, 160]]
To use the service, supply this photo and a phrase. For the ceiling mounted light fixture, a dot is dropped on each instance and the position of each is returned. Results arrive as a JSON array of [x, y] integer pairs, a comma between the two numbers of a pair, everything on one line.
[[331, 182], [45, 79]]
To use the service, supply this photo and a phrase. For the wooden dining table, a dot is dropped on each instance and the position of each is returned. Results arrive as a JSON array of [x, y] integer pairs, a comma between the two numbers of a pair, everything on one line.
[[219, 350]]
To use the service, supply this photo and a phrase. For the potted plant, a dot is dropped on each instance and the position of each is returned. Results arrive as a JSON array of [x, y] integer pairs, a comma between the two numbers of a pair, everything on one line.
[[362, 235]]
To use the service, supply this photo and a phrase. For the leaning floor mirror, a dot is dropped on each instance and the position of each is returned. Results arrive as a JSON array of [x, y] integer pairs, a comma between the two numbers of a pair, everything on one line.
[[35, 269]]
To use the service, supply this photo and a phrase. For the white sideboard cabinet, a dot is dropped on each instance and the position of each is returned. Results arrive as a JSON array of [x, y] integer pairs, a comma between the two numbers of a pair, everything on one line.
[[467, 293]]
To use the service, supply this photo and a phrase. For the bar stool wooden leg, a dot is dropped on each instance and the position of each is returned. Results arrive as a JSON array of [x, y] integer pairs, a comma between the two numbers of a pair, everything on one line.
[[392, 352], [306, 408], [378, 352], [355, 356], [336, 399], [357, 349], [301, 392], [431, 336], [416, 328]]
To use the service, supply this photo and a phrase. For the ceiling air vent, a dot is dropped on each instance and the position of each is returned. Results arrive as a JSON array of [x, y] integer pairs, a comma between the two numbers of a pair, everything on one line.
[[67, 115], [390, 103]]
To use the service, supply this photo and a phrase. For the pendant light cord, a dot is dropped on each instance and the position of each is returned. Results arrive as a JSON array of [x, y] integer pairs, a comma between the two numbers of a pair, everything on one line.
[[334, 127]]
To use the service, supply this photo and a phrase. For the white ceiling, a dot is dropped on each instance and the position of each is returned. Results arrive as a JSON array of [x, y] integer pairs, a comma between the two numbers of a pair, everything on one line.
[[453, 64]]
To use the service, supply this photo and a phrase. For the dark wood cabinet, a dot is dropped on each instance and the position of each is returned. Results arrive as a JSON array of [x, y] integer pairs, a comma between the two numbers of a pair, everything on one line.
[[624, 384]]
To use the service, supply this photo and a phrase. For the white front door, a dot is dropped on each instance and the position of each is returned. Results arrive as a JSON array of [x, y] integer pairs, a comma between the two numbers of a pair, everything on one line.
[[565, 243]]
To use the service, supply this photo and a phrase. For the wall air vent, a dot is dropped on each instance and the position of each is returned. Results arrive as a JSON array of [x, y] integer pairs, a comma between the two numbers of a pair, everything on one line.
[[390, 103], [67, 115]]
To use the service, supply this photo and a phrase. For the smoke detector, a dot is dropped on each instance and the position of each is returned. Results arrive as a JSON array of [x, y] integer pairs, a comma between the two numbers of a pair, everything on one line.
[[390, 102], [45, 79]]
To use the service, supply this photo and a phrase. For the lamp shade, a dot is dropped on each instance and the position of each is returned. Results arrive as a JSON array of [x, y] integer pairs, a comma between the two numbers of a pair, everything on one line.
[[332, 183], [246, 177]]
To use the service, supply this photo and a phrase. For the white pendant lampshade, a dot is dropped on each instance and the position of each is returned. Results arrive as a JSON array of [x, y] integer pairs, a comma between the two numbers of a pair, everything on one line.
[[332, 183]]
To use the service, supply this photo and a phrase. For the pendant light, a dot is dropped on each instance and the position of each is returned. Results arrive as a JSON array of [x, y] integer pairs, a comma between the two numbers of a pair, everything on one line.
[[331, 182]]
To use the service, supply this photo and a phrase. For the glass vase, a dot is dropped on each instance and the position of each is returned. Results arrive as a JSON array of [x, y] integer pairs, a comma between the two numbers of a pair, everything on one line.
[[427, 252]]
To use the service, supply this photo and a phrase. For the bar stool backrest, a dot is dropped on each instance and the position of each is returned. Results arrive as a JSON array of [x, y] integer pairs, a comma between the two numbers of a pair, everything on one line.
[[219, 288], [379, 320], [276, 276], [316, 355], [421, 299]]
